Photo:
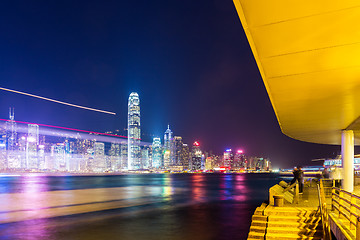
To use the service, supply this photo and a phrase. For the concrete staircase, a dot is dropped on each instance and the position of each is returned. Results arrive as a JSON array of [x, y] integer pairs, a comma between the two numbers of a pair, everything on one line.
[[270, 222]]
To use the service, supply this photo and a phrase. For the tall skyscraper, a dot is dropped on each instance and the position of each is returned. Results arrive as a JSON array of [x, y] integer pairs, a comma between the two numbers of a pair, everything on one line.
[[156, 153], [196, 157], [134, 153], [168, 148], [11, 136], [178, 145], [32, 147]]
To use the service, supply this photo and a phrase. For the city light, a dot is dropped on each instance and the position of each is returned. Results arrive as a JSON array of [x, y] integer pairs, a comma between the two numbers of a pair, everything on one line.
[[228, 150], [196, 143], [240, 151], [56, 101]]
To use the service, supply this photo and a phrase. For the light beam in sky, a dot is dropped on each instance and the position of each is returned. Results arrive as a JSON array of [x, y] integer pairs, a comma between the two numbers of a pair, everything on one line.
[[56, 101]]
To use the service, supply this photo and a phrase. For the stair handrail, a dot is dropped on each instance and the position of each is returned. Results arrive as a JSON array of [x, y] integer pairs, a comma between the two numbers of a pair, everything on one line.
[[323, 211], [347, 209]]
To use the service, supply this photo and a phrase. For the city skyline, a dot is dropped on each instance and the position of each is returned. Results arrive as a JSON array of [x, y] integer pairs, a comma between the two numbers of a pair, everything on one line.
[[27, 147]]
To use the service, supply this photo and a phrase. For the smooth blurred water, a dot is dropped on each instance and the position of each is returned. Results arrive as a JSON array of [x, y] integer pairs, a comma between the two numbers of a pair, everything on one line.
[[209, 206]]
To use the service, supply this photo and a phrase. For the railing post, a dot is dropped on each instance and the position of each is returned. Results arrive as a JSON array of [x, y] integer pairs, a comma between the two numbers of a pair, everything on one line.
[[296, 197], [333, 191], [357, 228], [341, 201], [353, 218]]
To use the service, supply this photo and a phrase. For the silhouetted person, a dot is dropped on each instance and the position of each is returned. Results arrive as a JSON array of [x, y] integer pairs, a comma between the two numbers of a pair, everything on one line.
[[325, 173], [299, 177]]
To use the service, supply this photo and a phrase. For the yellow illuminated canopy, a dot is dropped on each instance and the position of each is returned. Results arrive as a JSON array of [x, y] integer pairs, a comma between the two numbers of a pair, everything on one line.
[[308, 54]]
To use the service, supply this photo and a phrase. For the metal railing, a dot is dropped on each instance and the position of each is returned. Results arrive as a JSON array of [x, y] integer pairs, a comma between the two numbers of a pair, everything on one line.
[[322, 190], [347, 205]]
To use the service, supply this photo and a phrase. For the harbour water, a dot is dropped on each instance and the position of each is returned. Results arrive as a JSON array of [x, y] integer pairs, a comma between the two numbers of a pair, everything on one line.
[[168, 206]]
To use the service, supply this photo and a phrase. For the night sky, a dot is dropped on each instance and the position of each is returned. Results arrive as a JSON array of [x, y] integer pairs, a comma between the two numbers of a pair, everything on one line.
[[189, 61]]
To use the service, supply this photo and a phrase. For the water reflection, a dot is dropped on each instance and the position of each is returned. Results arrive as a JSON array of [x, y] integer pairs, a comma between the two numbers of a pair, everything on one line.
[[197, 187]]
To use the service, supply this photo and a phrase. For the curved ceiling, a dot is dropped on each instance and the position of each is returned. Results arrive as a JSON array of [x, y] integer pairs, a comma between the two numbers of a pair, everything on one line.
[[308, 53]]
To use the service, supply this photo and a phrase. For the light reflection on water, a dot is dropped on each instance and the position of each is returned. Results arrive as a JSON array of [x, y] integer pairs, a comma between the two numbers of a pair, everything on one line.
[[209, 206]]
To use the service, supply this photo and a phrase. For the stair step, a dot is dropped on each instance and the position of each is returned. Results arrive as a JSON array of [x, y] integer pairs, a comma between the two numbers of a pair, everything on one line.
[[257, 229], [271, 236], [296, 231], [289, 219], [255, 236], [313, 226]]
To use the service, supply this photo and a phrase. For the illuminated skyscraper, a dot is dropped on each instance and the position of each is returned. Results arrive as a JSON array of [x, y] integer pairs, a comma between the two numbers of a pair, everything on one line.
[[156, 153], [196, 157], [178, 145], [11, 136], [168, 148], [228, 158], [32, 147], [134, 153]]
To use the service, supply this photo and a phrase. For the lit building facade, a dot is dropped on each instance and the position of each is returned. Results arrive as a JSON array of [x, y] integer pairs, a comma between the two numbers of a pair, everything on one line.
[[157, 160], [196, 157], [134, 153], [168, 148]]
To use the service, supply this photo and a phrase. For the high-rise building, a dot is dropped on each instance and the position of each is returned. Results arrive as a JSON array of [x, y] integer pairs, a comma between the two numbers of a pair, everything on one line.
[[124, 156], [146, 156], [168, 148], [228, 158], [11, 136], [185, 156], [134, 153], [99, 163], [32, 147], [178, 145], [157, 153], [196, 157]]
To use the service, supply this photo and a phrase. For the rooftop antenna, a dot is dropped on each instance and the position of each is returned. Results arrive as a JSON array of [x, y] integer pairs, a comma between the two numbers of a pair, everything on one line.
[[11, 114]]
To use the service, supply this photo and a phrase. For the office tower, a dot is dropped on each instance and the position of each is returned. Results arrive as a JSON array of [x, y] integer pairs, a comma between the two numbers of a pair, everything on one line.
[[196, 157], [157, 153], [134, 154], [239, 159], [178, 145], [115, 157], [3, 162], [124, 156], [99, 163], [11, 136], [228, 158], [168, 148], [185, 156], [31, 147], [146, 156]]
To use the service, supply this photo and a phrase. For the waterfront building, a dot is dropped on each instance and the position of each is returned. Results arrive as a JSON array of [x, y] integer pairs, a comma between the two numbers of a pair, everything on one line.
[[99, 162], [228, 158], [115, 157], [168, 148], [134, 154], [157, 161], [185, 156], [209, 163], [3, 157], [146, 153], [178, 145], [124, 156], [12, 160], [239, 160], [196, 157], [31, 147]]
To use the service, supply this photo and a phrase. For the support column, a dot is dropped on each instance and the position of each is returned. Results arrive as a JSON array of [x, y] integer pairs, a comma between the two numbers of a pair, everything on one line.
[[347, 156]]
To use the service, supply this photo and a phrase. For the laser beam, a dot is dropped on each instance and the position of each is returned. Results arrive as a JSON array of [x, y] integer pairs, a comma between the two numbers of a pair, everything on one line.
[[56, 101]]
